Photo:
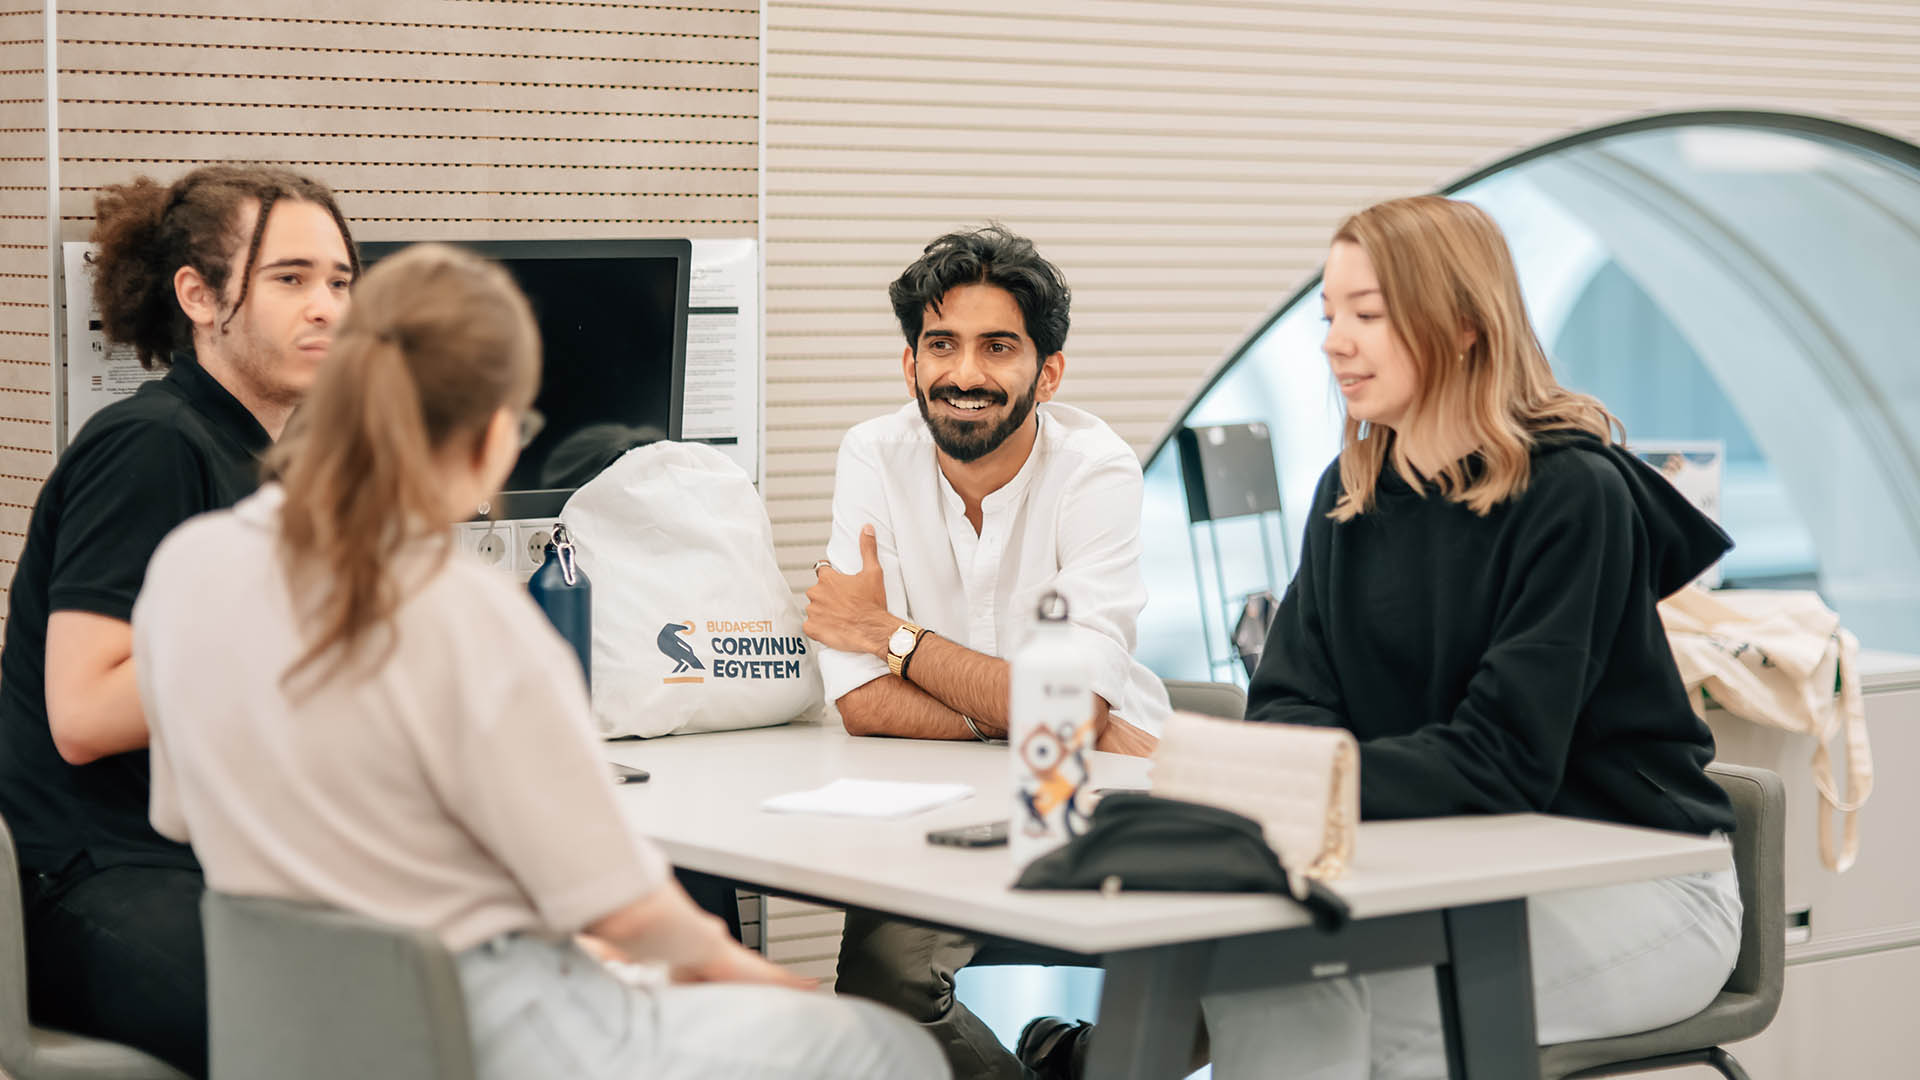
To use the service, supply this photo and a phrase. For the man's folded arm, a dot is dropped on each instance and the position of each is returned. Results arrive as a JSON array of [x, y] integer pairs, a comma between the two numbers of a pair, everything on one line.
[[947, 681], [890, 705]]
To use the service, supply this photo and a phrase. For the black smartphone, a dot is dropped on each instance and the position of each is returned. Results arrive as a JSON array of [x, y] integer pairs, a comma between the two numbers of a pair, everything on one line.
[[986, 834], [627, 774]]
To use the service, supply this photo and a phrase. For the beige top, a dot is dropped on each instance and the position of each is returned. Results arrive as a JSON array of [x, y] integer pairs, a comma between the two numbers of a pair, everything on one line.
[[458, 788]]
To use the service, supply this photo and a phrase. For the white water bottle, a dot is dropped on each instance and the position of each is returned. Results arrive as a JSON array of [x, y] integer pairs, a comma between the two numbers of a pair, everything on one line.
[[1050, 728]]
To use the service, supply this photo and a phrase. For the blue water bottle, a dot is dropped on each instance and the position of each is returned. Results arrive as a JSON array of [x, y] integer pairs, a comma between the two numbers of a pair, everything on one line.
[[564, 593]]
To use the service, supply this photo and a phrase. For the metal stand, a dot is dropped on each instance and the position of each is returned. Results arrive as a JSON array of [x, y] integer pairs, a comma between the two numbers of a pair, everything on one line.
[[1229, 474]]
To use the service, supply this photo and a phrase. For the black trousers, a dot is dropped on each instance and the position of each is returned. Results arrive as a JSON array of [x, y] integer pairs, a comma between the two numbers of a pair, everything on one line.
[[911, 968], [116, 954], [714, 895]]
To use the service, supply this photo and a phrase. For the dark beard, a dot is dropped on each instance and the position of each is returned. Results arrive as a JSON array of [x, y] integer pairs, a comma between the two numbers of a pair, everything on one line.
[[967, 443]]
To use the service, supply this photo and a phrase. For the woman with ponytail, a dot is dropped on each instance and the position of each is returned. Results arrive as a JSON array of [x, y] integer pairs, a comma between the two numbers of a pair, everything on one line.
[[230, 280], [1476, 603], [432, 758]]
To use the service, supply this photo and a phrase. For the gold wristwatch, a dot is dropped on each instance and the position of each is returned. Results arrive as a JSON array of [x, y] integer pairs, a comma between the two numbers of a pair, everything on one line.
[[900, 646]]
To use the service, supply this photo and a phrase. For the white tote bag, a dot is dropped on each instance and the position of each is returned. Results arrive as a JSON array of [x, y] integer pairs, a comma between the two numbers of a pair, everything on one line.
[[694, 628], [1782, 659]]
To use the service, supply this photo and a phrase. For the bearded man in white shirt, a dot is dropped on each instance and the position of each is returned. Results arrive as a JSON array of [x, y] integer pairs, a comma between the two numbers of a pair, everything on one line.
[[952, 516]]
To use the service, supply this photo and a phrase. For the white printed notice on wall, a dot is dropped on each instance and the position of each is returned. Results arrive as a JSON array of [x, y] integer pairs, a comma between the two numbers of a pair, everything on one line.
[[99, 372], [721, 406], [1695, 467]]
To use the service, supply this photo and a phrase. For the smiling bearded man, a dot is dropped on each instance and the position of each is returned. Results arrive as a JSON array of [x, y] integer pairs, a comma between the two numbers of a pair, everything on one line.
[[952, 516]]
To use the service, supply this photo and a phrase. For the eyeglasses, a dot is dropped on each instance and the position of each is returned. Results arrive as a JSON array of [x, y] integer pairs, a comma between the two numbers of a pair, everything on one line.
[[531, 421]]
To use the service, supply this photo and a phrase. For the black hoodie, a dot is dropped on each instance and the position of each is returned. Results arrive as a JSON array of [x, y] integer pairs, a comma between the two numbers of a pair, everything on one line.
[[1513, 662]]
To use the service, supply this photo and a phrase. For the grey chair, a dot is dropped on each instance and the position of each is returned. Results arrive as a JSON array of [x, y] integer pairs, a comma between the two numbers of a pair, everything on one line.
[[37, 1053], [299, 992], [1207, 698], [1751, 996]]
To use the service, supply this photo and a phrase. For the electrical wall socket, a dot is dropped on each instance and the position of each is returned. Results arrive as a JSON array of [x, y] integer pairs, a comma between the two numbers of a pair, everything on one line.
[[514, 547], [531, 537], [491, 541]]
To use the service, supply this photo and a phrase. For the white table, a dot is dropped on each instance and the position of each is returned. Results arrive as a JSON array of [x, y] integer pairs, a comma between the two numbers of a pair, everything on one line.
[[1445, 892]]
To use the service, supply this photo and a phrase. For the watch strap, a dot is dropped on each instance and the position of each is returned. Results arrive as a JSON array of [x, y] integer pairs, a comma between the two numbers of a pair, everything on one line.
[[906, 662], [897, 661]]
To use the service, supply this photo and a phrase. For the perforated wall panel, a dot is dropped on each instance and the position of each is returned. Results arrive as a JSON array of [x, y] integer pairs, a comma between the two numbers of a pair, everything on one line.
[[433, 119], [25, 292]]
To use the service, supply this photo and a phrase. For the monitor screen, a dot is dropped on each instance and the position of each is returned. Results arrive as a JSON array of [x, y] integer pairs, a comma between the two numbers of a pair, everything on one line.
[[613, 330]]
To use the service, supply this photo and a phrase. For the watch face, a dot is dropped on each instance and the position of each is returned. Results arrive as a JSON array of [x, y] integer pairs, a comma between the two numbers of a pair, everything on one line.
[[901, 642]]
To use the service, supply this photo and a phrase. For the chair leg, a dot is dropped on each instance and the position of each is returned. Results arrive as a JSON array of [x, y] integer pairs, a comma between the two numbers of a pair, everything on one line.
[[1725, 1063], [1713, 1057]]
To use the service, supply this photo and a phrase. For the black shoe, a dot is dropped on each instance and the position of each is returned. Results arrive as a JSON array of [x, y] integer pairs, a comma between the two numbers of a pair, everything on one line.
[[1053, 1048]]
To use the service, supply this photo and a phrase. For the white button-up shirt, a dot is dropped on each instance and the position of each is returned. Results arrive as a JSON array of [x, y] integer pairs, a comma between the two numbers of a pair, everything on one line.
[[1068, 521]]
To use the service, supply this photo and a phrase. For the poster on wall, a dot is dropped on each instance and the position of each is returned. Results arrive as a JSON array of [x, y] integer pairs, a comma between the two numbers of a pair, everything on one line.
[[1695, 468], [99, 372], [721, 404]]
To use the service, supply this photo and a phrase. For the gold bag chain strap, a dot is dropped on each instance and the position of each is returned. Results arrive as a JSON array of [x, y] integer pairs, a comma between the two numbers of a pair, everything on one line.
[[1336, 842]]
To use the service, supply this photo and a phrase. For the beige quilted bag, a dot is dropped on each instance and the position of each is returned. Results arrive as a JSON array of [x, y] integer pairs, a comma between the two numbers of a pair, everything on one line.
[[1302, 784]]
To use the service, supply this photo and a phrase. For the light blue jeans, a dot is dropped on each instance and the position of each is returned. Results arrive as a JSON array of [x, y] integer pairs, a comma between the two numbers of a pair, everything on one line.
[[1608, 961], [544, 1009]]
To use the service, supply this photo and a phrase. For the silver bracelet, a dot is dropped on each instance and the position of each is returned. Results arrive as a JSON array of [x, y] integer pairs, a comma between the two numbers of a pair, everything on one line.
[[975, 729]]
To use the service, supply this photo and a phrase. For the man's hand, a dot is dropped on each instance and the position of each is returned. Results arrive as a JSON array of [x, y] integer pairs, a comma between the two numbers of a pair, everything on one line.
[[1121, 737], [848, 612]]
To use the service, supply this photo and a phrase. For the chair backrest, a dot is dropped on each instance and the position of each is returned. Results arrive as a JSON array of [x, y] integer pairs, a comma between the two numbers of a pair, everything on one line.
[[1759, 857], [33, 1053], [299, 992], [16, 1040], [1222, 699]]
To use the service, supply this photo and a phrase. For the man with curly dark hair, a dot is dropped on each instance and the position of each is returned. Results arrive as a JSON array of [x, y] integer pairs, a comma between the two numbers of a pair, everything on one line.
[[952, 515], [230, 279]]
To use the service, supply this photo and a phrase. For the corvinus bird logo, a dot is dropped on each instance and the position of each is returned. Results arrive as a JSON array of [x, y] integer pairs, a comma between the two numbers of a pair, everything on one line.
[[676, 649]]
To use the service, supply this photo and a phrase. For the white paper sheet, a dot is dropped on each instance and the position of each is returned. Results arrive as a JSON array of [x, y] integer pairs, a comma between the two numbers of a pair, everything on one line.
[[722, 402], [1695, 467], [99, 373], [868, 798]]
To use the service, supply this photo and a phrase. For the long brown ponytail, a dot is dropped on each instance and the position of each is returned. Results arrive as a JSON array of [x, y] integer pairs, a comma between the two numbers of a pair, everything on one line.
[[436, 341]]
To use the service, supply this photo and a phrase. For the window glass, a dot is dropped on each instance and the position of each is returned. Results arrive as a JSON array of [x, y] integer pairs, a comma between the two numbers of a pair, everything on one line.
[[1743, 284]]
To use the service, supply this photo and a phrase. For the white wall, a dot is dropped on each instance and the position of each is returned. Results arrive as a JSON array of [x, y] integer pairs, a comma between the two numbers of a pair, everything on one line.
[[1846, 1008]]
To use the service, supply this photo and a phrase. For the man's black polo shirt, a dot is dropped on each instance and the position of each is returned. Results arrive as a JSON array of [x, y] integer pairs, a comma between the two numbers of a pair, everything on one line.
[[180, 446]]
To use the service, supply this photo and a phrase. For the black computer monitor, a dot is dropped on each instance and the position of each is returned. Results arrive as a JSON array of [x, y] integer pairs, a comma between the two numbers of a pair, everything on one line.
[[613, 328]]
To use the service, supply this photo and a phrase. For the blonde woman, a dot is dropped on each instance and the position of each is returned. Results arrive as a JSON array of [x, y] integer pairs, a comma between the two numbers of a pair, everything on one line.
[[346, 712], [1475, 602]]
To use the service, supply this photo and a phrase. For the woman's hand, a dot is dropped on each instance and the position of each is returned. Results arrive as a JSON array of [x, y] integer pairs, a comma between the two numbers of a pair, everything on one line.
[[600, 949], [733, 963], [1121, 737], [664, 927]]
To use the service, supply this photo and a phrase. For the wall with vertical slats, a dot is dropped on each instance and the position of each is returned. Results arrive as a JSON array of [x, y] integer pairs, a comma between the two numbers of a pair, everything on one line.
[[1184, 162]]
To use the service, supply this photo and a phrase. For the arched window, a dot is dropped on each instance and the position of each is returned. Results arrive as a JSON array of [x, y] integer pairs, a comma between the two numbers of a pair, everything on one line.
[[1746, 278]]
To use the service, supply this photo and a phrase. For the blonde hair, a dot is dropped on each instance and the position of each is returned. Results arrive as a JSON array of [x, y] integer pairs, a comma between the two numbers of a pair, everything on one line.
[[436, 341], [1444, 269]]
